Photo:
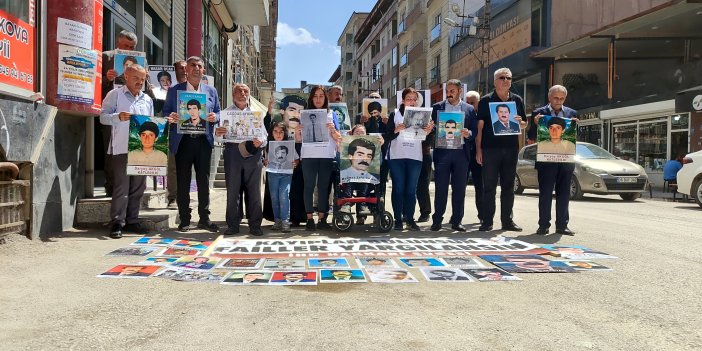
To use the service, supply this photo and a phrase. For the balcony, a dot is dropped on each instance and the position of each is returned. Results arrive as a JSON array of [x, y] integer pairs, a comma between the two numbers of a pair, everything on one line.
[[435, 33], [416, 16], [247, 12]]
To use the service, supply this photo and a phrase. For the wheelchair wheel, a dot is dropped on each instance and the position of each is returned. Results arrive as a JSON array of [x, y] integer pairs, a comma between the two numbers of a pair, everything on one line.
[[384, 222], [342, 221]]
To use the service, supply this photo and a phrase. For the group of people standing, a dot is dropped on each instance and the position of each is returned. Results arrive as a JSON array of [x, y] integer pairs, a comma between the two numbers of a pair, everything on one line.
[[290, 199]]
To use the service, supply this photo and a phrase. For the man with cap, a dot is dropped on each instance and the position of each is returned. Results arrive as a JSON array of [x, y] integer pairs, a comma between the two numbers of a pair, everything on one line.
[[554, 174], [193, 150], [243, 164], [148, 155], [117, 108]]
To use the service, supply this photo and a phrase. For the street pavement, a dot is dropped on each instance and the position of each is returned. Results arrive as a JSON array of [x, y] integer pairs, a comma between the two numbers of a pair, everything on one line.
[[50, 298]]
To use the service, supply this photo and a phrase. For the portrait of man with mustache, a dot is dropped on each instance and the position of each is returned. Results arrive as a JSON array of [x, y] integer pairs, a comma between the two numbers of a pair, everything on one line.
[[361, 152]]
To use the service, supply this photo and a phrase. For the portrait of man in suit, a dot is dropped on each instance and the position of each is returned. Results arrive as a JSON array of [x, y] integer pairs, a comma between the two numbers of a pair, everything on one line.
[[503, 124], [314, 130]]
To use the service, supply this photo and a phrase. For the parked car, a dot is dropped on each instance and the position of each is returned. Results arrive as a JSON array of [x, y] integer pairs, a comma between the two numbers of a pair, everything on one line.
[[690, 176], [596, 171]]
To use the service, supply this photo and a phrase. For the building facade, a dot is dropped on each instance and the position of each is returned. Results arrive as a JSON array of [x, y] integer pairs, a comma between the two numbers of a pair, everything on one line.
[[348, 72], [57, 141]]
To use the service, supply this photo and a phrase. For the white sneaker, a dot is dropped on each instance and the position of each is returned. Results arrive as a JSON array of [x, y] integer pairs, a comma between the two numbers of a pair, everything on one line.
[[346, 208], [364, 210]]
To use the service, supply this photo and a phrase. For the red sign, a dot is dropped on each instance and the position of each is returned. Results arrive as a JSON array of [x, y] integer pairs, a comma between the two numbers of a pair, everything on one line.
[[16, 52]]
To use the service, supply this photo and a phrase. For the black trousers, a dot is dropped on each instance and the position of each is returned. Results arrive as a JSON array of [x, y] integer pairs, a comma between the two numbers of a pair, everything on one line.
[[384, 172], [558, 176], [451, 169], [195, 152], [476, 175], [423, 197], [242, 173], [109, 169], [498, 163]]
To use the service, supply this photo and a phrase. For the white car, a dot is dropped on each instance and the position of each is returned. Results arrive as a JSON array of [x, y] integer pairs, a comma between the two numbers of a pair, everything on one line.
[[690, 176]]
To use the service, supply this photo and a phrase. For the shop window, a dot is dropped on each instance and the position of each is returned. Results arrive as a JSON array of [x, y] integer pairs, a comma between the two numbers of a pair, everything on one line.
[[591, 134], [653, 143], [624, 142]]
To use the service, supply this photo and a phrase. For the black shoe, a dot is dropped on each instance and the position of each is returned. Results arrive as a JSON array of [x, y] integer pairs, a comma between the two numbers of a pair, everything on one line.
[[512, 227], [256, 231], [232, 231], [323, 225], [135, 228], [208, 226], [542, 231], [485, 227], [184, 227], [116, 231], [565, 231], [399, 226], [435, 227], [458, 227], [295, 224], [172, 205], [423, 218], [310, 225], [413, 226]]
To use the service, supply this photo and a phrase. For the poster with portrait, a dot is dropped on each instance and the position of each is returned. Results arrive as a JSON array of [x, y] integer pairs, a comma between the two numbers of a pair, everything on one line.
[[314, 126], [179, 252], [129, 271], [422, 262], [328, 263], [242, 126], [189, 275], [341, 276], [281, 155], [240, 263], [342, 114], [196, 262], [376, 262], [132, 251], [586, 266], [503, 118], [490, 274], [247, 278], [161, 77], [287, 108], [446, 275], [124, 58], [294, 278], [448, 129], [159, 261], [148, 146], [463, 261], [423, 98], [576, 252], [415, 120], [377, 108], [285, 263], [192, 244], [527, 264], [153, 241], [555, 139], [390, 275], [192, 108], [360, 159]]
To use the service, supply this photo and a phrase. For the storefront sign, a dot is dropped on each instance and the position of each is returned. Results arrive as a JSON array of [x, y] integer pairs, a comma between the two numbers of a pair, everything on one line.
[[74, 33], [76, 74], [16, 52]]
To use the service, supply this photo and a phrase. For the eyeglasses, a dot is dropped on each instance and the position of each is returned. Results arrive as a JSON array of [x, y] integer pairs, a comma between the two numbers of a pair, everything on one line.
[[505, 78]]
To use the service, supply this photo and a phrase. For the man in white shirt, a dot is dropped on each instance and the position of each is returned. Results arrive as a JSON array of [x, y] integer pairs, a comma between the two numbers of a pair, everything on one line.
[[117, 108]]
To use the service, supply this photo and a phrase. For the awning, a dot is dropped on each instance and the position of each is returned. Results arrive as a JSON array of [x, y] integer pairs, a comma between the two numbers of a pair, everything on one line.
[[257, 105]]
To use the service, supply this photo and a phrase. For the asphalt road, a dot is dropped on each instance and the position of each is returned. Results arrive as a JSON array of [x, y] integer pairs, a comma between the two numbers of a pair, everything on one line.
[[50, 298]]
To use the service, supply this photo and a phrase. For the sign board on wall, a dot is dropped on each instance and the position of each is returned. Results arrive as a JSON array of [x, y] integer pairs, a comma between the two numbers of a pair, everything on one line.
[[16, 53]]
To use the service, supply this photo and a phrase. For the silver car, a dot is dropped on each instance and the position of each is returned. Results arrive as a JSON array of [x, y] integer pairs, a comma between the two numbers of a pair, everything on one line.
[[596, 171]]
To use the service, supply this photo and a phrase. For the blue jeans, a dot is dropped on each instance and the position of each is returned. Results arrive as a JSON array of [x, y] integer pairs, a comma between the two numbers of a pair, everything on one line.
[[405, 175], [279, 187]]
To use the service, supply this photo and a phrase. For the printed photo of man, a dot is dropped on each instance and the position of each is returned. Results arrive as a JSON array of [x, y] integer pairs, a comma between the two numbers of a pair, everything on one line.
[[503, 124], [148, 155], [361, 153]]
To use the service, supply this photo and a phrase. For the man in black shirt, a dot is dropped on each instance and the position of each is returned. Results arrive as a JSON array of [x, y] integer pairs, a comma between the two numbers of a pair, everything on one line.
[[498, 154]]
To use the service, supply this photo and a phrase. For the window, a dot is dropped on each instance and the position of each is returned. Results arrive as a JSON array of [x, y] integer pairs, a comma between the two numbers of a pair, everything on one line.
[[349, 76], [434, 74], [349, 39], [435, 32], [394, 86], [394, 56], [403, 58]]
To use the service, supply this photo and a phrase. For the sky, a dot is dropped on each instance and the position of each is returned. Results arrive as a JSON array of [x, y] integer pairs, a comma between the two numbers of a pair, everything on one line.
[[307, 34]]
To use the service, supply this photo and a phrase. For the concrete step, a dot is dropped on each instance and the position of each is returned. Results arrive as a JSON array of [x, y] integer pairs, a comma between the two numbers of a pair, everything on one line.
[[220, 169], [219, 176], [219, 184], [155, 220], [221, 163], [97, 210]]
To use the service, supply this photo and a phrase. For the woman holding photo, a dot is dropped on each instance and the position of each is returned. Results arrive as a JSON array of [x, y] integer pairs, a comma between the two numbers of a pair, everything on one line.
[[318, 162], [405, 160], [279, 183]]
